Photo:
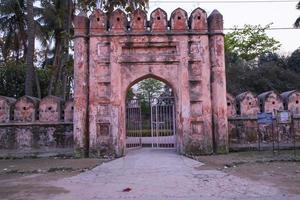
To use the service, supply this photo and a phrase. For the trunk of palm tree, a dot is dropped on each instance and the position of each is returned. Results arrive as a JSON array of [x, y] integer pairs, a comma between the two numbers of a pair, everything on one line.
[[58, 82], [37, 83], [30, 50]]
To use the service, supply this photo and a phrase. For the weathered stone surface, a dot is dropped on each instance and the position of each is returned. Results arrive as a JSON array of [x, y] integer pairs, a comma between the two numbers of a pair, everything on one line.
[[231, 105], [81, 84], [69, 110], [6, 108], [291, 100], [179, 20], [98, 22], [50, 109], [270, 102], [247, 104], [129, 52], [138, 21], [219, 105], [36, 136], [159, 20], [26, 109], [198, 20]]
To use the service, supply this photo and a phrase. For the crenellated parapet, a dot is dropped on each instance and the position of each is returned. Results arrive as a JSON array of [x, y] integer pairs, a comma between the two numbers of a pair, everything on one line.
[[26, 109], [137, 22], [50, 109], [32, 110], [116, 50], [270, 101], [249, 104], [6, 108]]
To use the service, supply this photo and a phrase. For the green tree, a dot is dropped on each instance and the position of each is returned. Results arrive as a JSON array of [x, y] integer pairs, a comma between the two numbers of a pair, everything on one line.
[[297, 22], [271, 73], [250, 42], [12, 79], [12, 26], [57, 20], [149, 88], [30, 49], [110, 5], [294, 61]]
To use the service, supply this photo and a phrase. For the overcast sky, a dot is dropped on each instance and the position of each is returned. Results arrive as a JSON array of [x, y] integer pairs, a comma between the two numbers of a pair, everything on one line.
[[281, 14]]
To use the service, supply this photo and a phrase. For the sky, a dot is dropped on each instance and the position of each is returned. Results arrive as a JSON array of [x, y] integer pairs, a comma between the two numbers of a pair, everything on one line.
[[282, 14]]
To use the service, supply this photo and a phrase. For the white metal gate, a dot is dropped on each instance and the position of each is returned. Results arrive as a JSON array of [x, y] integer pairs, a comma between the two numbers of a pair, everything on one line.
[[163, 123], [161, 130], [133, 124]]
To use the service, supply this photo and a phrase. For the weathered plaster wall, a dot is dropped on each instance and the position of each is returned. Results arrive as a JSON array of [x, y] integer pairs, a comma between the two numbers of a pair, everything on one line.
[[270, 101], [50, 109], [175, 51], [245, 132], [6, 108], [247, 104], [29, 124], [291, 100]]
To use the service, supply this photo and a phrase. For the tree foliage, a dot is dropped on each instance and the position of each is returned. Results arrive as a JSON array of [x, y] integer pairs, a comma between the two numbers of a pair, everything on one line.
[[51, 23], [294, 61], [273, 72], [250, 42], [149, 88], [110, 5], [12, 80], [297, 22]]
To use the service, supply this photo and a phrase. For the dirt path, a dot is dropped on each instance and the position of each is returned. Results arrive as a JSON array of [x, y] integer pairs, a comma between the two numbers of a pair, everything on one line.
[[153, 174]]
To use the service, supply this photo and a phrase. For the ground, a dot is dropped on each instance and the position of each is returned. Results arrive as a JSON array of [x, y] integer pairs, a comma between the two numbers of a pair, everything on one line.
[[154, 174]]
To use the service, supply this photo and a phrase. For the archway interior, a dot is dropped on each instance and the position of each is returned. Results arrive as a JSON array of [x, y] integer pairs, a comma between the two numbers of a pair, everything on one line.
[[150, 115]]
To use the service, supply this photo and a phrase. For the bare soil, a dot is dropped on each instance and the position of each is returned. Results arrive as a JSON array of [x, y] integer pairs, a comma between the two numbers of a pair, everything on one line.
[[25, 178], [281, 170]]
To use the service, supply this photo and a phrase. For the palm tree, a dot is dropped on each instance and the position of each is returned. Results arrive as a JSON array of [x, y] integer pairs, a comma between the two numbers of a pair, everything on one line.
[[297, 22], [12, 26], [57, 18], [15, 29], [30, 49]]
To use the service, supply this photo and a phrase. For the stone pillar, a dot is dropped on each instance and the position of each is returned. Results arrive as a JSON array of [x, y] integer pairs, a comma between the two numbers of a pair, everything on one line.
[[218, 82], [81, 88]]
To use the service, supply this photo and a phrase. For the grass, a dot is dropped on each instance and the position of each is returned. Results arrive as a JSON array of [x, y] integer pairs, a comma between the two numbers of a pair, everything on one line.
[[147, 132]]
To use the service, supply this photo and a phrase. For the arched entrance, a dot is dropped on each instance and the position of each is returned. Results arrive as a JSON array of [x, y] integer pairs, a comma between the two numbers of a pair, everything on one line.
[[150, 115], [112, 54]]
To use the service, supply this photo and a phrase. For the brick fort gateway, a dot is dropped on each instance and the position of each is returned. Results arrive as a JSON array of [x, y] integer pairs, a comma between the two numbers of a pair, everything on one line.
[[114, 52]]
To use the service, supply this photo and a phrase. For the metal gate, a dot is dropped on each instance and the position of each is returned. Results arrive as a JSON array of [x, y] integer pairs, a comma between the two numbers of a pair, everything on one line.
[[161, 130], [163, 123], [133, 124]]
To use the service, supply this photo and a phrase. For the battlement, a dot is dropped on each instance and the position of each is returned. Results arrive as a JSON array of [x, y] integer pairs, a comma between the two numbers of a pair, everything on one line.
[[33, 110], [99, 23]]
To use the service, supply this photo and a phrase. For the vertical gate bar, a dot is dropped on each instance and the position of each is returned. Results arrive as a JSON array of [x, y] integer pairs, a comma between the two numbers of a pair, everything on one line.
[[162, 133], [134, 122], [151, 123], [136, 119], [140, 123], [169, 122], [129, 126], [163, 125], [174, 126], [166, 124], [157, 126]]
